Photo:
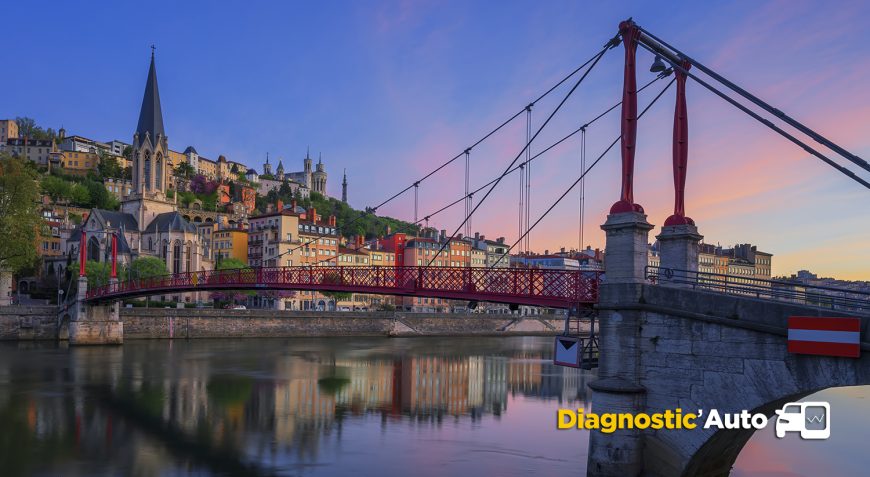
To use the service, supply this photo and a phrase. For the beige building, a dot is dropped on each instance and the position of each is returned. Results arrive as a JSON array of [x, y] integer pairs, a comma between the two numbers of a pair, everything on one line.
[[8, 130]]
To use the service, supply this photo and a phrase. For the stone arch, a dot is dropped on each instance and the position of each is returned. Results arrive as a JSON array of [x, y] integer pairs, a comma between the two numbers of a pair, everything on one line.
[[197, 219], [165, 252], [209, 220], [718, 454], [23, 286], [186, 217], [715, 351]]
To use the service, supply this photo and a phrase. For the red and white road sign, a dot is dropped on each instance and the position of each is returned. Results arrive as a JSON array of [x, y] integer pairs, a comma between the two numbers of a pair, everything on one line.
[[826, 336]]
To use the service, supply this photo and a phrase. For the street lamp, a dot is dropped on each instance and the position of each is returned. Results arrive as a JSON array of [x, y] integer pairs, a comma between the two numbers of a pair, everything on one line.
[[658, 65]]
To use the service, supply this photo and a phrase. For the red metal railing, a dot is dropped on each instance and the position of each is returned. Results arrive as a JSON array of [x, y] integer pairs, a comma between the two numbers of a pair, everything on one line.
[[552, 288]]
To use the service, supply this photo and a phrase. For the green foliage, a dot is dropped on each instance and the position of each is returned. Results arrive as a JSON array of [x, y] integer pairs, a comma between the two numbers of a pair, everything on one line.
[[97, 272], [19, 218], [82, 193], [147, 267], [28, 127], [170, 194], [185, 199], [59, 190], [230, 264], [79, 195], [109, 167], [185, 170], [350, 221]]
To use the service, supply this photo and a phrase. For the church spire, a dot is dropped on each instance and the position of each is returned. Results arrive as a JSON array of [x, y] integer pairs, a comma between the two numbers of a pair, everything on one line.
[[344, 187], [151, 116]]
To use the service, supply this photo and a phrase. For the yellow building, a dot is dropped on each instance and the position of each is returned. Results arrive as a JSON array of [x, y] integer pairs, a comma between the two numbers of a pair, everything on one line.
[[207, 167], [271, 237], [230, 242], [8, 130], [79, 163], [120, 188]]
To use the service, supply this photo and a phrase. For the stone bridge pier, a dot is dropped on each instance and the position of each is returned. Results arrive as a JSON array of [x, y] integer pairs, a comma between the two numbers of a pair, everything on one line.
[[94, 324], [667, 347]]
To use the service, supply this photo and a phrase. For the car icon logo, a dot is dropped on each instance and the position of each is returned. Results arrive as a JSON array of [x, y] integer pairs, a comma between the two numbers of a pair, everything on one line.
[[810, 419]]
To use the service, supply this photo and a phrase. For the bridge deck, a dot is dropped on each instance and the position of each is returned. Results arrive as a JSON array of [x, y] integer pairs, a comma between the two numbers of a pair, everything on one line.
[[534, 287]]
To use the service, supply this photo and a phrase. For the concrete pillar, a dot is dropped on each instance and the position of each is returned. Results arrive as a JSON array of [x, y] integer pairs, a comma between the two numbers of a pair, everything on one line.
[[95, 325], [678, 249], [627, 247], [618, 390]]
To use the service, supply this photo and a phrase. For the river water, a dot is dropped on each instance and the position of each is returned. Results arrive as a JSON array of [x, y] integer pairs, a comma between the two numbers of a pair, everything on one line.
[[337, 406]]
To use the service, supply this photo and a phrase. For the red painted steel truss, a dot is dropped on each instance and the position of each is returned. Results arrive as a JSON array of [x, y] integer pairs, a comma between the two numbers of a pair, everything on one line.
[[550, 288]]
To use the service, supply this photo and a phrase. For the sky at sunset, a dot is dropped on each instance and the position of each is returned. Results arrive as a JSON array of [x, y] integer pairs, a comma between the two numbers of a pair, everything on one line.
[[390, 90]]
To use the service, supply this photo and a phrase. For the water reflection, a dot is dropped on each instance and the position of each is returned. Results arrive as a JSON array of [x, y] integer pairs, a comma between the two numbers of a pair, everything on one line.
[[288, 407]]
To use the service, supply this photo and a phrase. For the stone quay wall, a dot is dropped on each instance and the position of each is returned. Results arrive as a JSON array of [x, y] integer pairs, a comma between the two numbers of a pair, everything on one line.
[[40, 323]]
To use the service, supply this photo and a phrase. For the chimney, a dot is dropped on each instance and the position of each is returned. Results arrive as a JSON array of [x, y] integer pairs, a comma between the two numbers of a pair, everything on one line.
[[546, 251], [293, 205], [332, 221], [279, 205], [562, 250], [476, 236], [500, 240], [443, 234], [388, 229], [359, 241], [312, 215], [483, 237]]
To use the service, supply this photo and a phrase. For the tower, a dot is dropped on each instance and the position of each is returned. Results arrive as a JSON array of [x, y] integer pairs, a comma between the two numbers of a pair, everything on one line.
[[150, 157], [280, 171], [267, 168], [318, 178], [344, 187]]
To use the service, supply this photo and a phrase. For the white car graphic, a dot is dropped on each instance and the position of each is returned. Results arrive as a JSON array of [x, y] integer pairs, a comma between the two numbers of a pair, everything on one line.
[[811, 419]]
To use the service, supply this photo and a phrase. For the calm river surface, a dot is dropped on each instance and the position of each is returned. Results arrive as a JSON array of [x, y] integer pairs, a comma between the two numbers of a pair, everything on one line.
[[339, 406]]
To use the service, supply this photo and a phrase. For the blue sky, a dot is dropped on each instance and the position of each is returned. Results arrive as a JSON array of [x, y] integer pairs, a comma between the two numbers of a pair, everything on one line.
[[388, 90]]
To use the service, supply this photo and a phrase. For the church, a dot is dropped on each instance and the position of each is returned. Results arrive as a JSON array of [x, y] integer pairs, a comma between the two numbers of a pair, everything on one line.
[[148, 223]]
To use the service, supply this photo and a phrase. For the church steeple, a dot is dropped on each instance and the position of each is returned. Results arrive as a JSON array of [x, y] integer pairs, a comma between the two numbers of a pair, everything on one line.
[[344, 187], [151, 116]]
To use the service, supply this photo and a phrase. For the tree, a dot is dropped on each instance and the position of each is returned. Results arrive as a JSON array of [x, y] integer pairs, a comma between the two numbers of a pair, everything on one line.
[[230, 263], [99, 196], [27, 128], [20, 223], [109, 166], [80, 196], [97, 272], [147, 267], [185, 170], [57, 189]]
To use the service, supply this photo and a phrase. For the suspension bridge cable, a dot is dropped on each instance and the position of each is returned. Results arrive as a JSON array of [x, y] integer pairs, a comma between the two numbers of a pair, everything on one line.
[[766, 122], [611, 44], [549, 209], [528, 171], [520, 167], [582, 188], [762, 104], [544, 151]]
